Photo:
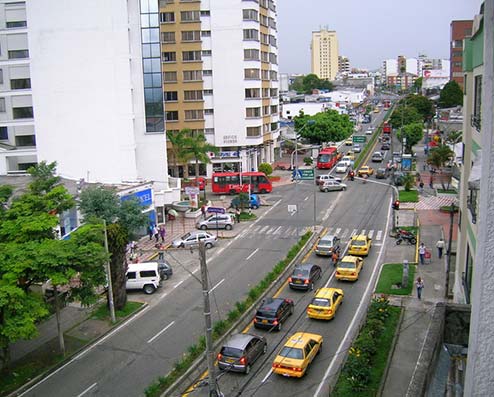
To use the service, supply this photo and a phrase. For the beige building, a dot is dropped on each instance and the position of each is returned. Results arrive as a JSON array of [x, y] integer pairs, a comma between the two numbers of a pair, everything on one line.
[[324, 54]]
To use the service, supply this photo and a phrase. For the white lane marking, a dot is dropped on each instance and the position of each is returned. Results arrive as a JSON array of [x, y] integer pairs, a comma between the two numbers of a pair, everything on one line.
[[363, 232], [307, 198], [277, 231], [85, 391], [346, 338], [250, 256], [219, 251], [330, 209], [159, 333], [177, 285], [354, 232], [264, 229], [371, 233], [377, 244], [216, 286], [267, 376], [270, 230], [338, 230], [379, 235]]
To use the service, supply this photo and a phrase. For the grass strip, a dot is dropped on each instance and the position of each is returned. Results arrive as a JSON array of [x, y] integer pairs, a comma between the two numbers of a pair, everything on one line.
[[391, 276], [412, 196]]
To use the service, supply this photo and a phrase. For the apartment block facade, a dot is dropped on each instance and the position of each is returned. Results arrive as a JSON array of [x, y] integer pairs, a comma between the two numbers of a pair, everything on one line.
[[459, 30], [220, 72], [324, 54]]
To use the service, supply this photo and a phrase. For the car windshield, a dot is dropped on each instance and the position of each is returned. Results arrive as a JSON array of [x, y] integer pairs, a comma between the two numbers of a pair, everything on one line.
[[341, 165], [347, 265], [320, 302], [358, 243], [292, 352], [231, 352], [185, 236], [326, 242], [301, 273]]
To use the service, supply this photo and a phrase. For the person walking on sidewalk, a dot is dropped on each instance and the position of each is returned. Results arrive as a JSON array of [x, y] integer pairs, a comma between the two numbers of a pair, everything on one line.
[[422, 251], [156, 233], [150, 231], [162, 233], [237, 215], [420, 286], [440, 247]]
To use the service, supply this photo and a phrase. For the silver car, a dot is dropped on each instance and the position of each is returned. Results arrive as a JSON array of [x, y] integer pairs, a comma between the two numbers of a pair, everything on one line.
[[216, 221], [327, 244], [192, 239], [240, 352], [329, 186]]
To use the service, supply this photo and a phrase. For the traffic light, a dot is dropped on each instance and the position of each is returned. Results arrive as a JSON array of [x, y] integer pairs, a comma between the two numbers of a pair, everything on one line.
[[396, 205]]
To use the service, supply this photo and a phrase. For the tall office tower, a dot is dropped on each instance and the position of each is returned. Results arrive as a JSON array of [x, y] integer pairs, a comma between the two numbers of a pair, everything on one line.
[[324, 48], [459, 30], [343, 64], [220, 69]]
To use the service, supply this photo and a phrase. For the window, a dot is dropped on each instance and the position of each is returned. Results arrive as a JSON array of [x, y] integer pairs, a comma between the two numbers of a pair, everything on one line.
[[273, 58], [191, 56], [272, 23], [1, 76], [190, 16], [264, 56], [273, 75], [4, 133], [458, 44], [194, 95], [209, 111], [197, 114], [272, 41], [250, 15], [170, 77], [274, 109], [252, 93], [274, 126], [167, 17], [168, 37], [23, 113], [253, 112], [457, 64], [205, 13], [208, 92], [273, 92], [191, 35], [264, 20], [264, 39], [163, 3], [169, 57], [265, 110], [206, 53], [251, 74], [265, 92], [20, 84], [457, 54], [171, 96], [147, 273], [251, 34], [25, 140], [18, 54], [192, 75], [207, 72], [16, 24], [206, 33], [254, 132], [251, 55], [2, 105], [171, 115], [477, 103], [473, 204]]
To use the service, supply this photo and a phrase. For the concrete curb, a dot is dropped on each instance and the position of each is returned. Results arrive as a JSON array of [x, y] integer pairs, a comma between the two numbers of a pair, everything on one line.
[[67, 359], [199, 366]]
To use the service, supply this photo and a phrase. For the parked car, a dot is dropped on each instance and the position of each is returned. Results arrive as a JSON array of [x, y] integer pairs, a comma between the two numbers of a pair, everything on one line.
[[341, 167], [216, 221], [377, 157], [330, 186], [192, 239], [272, 313], [241, 351], [295, 356], [304, 276], [349, 268], [254, 202], [320, 179], [165, 269], [381, 173], [325, 303], [356, 148], [143, 276], [327, 244]]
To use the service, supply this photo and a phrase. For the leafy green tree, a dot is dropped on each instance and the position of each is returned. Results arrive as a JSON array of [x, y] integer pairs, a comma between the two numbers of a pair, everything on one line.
[[413, 134], [454, 137], [199, 149], [404, 115], [422, 104], [123, 219], [418, 83], [298, 84], [327, 126], [451, 95], [438, 157], [305, 84], [177, 150], [408, 181], [266, 168]]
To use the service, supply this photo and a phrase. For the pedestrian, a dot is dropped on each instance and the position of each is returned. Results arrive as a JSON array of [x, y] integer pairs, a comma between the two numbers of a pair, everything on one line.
[[440, 247], [161, 252], [421, 187], [431, 183], [150, 231], [237, 215], [203, 211], [156, 233], [162, 233], [422, 251], [420, 286]]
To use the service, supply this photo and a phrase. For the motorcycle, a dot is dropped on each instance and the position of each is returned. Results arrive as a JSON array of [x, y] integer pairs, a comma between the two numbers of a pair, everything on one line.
[[351, 175], [404, 235]]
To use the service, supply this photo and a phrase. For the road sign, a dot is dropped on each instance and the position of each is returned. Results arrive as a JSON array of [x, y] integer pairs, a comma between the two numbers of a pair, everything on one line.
[[191, 190], [359, 139], [304, 174], [216, 210]]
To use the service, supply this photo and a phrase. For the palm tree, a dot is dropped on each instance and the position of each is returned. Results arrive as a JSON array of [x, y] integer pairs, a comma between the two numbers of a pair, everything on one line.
[[177, 150], [438, 157], [198, 149]]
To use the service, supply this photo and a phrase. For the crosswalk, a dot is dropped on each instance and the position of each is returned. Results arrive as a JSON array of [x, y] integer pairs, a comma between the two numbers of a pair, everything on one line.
[[274, 232]]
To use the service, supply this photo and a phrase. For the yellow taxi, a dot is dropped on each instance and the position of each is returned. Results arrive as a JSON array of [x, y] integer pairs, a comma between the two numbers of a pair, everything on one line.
[[299, 351], [349, 268], [349, 142], [351, 155], [377, 110], [325, 303], [365, 170], [360, 245]]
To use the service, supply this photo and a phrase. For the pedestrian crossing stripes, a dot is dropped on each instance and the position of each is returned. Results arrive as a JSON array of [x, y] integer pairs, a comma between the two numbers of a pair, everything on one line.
[[274, 232], [429, 203]]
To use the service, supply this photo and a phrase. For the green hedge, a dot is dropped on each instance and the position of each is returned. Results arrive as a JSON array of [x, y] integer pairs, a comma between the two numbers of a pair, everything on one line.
[[221, 326]]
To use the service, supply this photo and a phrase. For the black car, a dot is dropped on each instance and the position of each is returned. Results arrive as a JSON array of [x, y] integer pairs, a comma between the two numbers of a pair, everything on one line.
[[381, 173], [165, 269], [385, 146], [272, 313], [304, 276]]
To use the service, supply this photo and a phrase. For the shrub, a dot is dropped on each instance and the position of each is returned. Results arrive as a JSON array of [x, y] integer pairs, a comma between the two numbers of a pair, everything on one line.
[[266, 168], [308, 160], [357, 370]]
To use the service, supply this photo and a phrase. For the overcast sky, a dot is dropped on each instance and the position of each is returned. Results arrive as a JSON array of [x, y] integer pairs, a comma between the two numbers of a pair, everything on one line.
[[368, 31]]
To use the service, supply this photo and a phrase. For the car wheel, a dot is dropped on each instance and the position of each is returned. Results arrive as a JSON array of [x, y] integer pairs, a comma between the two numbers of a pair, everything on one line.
[[232, 191], [343, 188], [165, 276], [311, 287], [279, 327], [398, 242], [326, 190], [149, 289], [413, 241], [209, 245], [265, 348], [228, 227], [247, 369], [181, 245], [203, 227], [263, 191]]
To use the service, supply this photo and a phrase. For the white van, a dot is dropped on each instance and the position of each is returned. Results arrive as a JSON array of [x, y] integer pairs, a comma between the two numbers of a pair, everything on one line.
[[145, 276]]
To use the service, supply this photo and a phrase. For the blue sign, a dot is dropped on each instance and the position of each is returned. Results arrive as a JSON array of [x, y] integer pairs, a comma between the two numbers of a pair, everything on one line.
[[145, 197], [406, 164], [216, 210]]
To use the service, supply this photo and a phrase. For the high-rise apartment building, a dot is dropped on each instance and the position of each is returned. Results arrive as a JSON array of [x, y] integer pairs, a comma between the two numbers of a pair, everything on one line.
[[343, 64], [459, 30], [324, 54], [220, 69]]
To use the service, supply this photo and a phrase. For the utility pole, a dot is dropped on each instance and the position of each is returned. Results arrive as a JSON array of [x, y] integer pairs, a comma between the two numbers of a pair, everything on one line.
[[448, 262], [108, 277], [207, 319]]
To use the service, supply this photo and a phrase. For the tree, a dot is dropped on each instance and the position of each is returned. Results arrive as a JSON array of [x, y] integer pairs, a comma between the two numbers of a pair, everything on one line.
[[451, 95], [266, 168], [404, 115], [418, 83], [123, 219], [413, 133], [199, 150], [178, 154], [305, 84], [298, 84], [454, 137], [327, 126], [422, 104], [438, 157]]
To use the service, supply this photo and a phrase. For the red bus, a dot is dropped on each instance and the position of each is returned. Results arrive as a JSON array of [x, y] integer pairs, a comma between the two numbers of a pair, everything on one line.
[[386, 128], [327, 158], [229, 182], [387, 104]]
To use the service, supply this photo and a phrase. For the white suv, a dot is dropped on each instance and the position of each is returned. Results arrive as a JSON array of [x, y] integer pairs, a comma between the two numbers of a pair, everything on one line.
[[145, 276]]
